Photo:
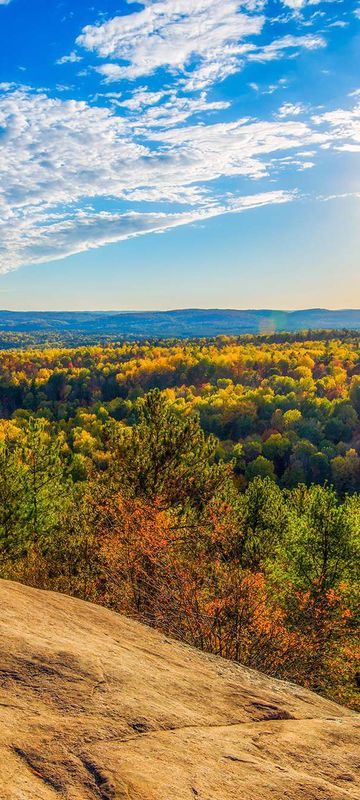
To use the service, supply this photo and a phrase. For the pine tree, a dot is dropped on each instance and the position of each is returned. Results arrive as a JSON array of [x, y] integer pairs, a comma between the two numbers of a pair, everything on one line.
[[12, 495], [46, 486], [167, 456]]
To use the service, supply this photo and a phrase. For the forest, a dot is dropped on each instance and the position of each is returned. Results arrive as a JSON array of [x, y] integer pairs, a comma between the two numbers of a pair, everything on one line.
[[206, 487]]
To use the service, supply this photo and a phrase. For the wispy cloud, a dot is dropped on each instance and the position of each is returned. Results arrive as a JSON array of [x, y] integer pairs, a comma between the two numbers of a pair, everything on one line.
[[291, 110], [279, 47], [55, 238], [171, 33], [203, 40], [69, 59], [344, 125]]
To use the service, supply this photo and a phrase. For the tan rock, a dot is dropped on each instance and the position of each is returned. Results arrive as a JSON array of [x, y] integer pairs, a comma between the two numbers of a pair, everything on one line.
[[93, 705]]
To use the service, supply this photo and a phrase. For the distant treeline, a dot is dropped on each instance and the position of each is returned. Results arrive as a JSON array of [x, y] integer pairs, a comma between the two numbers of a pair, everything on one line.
[[41, 339], [181, 323]]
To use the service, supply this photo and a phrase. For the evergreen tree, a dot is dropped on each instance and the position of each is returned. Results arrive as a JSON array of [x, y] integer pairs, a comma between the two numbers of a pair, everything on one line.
[[319, 541], [167, 456], [12, 496], [46, 487]]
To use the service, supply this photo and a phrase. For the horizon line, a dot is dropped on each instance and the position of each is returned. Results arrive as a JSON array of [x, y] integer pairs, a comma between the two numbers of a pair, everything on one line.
[[176, 310]]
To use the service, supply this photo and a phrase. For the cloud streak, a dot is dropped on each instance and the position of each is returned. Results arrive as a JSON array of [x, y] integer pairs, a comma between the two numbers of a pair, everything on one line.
[[44, 238]]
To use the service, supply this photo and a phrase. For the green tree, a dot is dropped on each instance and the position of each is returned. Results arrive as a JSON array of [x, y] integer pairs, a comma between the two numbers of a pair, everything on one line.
[[12, 494], [263, 519], [46, 487], [318, 545], [167, 456], [345, 472], [277, 448], [354, 394], [261, 467]]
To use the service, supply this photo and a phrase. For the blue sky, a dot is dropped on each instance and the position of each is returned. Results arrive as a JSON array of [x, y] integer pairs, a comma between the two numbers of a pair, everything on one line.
[[178, 153]]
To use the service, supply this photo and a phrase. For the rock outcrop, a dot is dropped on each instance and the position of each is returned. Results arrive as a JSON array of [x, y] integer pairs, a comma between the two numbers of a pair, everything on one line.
[[93, 705]]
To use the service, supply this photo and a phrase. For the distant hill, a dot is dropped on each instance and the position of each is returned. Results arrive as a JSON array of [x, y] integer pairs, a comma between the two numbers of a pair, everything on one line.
[[94, 706], [180, 323]]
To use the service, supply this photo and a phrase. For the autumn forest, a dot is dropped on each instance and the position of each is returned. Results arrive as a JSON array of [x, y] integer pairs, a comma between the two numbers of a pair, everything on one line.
[[208, 487]]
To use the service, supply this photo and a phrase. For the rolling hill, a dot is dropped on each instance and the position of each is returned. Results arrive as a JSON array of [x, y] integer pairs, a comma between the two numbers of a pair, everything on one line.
[[178, 323]]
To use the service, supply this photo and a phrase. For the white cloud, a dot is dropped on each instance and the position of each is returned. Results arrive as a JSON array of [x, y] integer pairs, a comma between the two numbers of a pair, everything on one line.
[[279, 47], [63, 161], [294, 4], [205, 40], [170, 33], [59, 237], [72, 58], [110, 72], [58, 151], [342, 196], [60, 156], [291, 110], [142, 98], [344, 126], [174, 111], [234, 148], [281, 84], [4, 2], [222, 62]]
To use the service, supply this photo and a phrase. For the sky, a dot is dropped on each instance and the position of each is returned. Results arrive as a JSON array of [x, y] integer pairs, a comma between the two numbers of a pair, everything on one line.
[[179, 153]]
